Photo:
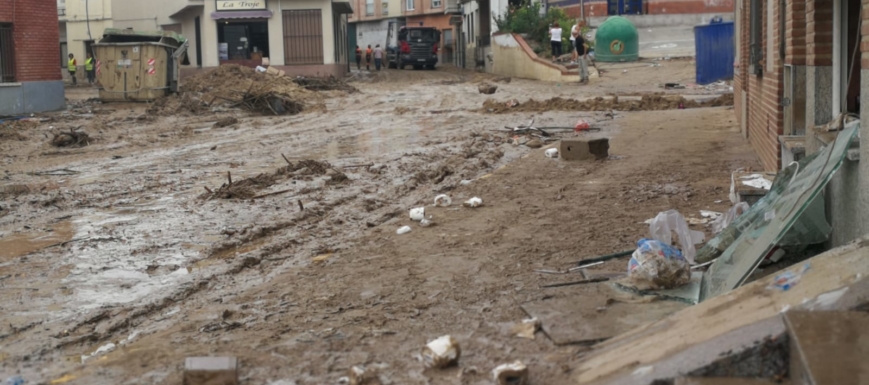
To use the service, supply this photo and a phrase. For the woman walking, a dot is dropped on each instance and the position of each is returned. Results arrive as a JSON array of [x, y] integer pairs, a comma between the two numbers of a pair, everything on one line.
[[555, 37]]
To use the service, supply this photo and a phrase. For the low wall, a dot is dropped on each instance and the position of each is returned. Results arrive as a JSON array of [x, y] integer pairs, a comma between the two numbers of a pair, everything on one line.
[[513, 57], [30, 97]]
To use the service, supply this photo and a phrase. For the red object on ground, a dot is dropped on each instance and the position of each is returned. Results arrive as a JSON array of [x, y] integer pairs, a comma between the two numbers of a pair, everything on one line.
[[581, 125]]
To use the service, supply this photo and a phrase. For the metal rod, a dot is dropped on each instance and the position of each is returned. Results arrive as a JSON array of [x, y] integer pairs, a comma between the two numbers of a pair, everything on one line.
[[586, 262]]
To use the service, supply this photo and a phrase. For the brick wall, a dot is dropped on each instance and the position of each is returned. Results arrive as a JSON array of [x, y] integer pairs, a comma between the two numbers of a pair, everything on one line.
[[819, 32], [740, 77], [651, 7], [37, 39], [765, 117], [864, 37], [795, 33]]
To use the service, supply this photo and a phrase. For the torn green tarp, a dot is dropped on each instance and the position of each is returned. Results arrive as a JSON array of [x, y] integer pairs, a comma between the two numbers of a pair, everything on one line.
[[751, 237]]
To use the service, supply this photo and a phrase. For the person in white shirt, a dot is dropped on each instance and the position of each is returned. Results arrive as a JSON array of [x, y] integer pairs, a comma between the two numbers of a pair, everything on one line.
[[555, 37], [574, 32]]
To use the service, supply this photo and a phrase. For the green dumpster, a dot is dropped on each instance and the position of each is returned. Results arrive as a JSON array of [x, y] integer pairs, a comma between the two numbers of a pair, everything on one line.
[[616, 40]]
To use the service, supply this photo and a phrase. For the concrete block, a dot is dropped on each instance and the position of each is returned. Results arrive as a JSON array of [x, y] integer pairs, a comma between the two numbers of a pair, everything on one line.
[[584, 149], [211, 371], [828, 347]]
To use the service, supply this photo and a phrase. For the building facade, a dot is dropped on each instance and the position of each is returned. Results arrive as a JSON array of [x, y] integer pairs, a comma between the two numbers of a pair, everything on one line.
[[800, 65], [29, 78], [371, 19], [82, 22], [595, 8], [301, 37]]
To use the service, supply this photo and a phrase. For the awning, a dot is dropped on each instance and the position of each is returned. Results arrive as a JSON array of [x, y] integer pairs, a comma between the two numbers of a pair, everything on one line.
[[262, 14], [342, 7]]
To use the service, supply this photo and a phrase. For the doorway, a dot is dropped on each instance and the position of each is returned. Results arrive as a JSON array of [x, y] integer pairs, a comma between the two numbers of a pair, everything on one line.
[[198, 38], [624, 7], [243, 41]]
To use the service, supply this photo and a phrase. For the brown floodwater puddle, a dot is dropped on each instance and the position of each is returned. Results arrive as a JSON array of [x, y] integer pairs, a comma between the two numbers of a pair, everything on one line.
[[17, 245]]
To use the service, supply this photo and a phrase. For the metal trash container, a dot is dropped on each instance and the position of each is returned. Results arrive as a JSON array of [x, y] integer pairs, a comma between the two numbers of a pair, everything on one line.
[[714, 48], [137, 65]]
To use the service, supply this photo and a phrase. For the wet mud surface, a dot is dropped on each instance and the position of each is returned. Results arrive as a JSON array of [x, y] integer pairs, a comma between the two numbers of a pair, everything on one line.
[[122, 257]]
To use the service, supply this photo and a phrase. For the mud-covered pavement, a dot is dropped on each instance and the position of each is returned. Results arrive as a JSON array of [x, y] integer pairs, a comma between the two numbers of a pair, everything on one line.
[[122, 257]]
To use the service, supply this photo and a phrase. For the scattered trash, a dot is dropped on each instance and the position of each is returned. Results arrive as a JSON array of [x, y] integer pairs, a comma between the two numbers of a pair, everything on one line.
[[672, 86], [441, 353], [581, 125], [551, 153], [710, 214], [757, 181], [511, 374], [444, 200], [667, 222], [426, 222], [360, 375], [73, 138], [527, 328], [512, 103], [403, 230], [417, 214], [261, 69], [723, 221], [473, 202], [465, 182], [486, 88], [788, 279], [656, 265]]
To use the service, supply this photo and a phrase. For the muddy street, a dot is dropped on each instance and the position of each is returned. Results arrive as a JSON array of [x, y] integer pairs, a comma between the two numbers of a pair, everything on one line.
[[174, 232]]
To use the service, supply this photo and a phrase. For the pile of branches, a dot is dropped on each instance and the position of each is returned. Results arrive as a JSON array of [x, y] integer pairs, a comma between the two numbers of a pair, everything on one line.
[[325, 84], [73, 138], [266, 102]]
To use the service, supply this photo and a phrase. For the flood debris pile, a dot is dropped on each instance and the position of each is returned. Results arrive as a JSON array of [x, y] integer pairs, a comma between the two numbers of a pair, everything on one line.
[[247, 188], [233, 86], [653, 102], [71, 138]]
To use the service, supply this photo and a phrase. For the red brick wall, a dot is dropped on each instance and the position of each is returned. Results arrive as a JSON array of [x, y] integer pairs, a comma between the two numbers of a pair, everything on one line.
[[765, 116], [37, 39], [795, 33], [740, 77], [819, 32], [654, 7]]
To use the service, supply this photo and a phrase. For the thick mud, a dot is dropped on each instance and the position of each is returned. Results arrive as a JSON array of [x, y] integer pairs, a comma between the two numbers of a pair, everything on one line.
[[120, 258]]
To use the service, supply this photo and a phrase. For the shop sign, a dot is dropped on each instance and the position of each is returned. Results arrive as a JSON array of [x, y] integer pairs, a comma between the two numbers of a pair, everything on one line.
[[240, 5]]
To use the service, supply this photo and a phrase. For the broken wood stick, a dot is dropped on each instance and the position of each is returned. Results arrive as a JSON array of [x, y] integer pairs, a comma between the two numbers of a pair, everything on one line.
[[571, 283], [287, 160], [229, 177], [272, 193], [208, 189], [358, 165], [607, 257], [300, 205]]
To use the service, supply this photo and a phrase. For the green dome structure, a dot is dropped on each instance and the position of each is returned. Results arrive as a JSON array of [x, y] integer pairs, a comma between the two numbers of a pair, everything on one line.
[[616, 40]]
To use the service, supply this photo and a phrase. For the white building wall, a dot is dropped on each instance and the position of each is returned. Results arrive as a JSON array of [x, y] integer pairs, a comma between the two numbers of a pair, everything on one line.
[[372, 32]]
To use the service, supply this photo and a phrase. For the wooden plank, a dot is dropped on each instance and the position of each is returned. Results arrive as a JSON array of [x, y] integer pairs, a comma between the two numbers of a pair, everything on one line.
[[837, 280]]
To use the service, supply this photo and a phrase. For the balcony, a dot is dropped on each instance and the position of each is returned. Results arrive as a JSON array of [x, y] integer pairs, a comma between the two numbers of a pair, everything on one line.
[[452, 6]]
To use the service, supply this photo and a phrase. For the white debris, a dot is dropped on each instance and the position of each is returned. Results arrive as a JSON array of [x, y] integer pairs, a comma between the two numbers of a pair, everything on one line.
[[473, 202], [465, 182], [511, 374], [442, 200], [403, 230], [551, 153], [756, 181], [417, 214], [442, 352], [425, 222]]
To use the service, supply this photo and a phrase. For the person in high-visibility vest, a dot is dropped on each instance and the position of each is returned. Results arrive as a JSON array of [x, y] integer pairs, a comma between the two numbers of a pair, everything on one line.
[[89, 68], [70, 66]]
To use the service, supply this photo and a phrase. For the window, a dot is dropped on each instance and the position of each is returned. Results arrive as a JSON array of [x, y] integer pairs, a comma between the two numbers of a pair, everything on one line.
[[755, 38], [369, 7], [303, 37], [61, 7], [384, 8], [7, 54], [436, 3], [410, 5]]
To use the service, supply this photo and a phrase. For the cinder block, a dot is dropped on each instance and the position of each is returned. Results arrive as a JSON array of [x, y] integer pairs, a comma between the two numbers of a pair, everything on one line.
[[211, 371], [584, 149]]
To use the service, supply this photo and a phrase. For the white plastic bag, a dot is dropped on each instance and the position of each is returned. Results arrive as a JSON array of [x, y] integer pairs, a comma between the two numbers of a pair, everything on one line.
[[417, 214], [723, 221], [655, 265], [667, 222]]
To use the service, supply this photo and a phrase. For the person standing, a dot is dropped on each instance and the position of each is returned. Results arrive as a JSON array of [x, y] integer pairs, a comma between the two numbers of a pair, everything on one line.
[[582, 53], [555, 40], [89, 69], [368, 58], [358, 58], [378, 57], [70, 66], [574, 32]]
